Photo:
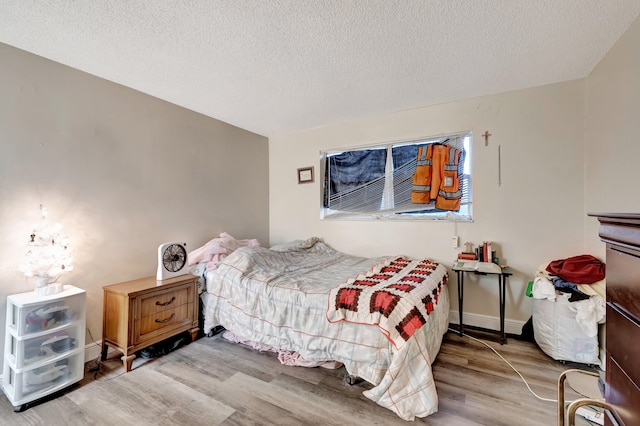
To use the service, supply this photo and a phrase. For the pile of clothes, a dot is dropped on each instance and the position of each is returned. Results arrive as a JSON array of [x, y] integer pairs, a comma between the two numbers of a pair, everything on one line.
[[569, 305]]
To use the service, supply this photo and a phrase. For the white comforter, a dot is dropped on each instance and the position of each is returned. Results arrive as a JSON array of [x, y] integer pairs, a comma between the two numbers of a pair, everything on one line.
[[279, 297]]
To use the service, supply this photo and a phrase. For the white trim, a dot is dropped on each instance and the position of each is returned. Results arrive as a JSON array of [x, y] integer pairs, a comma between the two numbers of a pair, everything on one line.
[[92, 350], [487, 322]]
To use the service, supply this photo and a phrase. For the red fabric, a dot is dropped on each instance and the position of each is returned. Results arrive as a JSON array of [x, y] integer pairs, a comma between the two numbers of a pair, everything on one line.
[[384, 302], [348, 298], [583, 269]]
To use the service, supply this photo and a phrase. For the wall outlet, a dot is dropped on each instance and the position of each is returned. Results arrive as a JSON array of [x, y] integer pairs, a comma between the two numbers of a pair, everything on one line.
[[454, 241]]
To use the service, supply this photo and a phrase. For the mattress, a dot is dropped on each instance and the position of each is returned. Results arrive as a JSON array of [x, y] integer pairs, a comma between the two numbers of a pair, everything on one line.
[[280, 297]]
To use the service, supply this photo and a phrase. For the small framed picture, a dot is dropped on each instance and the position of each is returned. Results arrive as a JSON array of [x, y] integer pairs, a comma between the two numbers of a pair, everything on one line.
[[305, 175]]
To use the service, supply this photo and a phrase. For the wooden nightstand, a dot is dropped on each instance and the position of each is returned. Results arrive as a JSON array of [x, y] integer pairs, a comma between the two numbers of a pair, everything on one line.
[[142, 312]]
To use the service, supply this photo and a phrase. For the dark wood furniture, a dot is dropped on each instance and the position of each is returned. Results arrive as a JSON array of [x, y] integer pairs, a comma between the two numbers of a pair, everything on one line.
[[621, 233], [142, 312]]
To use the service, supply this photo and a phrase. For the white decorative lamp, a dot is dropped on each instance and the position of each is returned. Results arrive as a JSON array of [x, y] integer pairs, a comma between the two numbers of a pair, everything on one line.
[[48, 256]]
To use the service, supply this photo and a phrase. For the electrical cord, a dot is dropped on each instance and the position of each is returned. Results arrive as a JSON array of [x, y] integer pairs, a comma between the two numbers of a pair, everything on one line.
[[98, 360], [106, 379], [92, 338], [95, 370], [510, 365]]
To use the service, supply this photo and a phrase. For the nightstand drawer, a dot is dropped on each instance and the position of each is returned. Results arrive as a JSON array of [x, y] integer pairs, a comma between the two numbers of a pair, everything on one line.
[[160, 301], [178, 316]]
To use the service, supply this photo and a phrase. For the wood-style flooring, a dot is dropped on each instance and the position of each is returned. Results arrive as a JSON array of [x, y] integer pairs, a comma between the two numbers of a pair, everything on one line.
[[214, 382]]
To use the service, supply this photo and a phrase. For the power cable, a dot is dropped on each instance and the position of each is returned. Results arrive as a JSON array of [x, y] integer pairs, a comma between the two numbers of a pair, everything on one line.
[[510, 365]]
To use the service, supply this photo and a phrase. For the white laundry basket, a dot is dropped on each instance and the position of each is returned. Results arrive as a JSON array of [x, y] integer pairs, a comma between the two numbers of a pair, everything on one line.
[[559, 335]]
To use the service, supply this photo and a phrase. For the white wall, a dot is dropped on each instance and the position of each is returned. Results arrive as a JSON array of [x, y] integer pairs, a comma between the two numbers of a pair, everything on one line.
[[121, 171], [534, 216], [612, 137]]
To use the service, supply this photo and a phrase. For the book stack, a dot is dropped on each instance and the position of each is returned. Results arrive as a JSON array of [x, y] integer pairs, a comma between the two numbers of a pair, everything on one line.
[[467, 256], [488, 253], [484, 253]]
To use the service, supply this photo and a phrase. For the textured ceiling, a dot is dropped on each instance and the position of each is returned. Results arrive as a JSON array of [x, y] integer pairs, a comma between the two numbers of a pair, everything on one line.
[[277, 66]]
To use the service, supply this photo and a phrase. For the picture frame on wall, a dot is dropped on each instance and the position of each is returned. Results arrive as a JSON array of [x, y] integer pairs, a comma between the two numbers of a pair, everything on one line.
[[305, 174]]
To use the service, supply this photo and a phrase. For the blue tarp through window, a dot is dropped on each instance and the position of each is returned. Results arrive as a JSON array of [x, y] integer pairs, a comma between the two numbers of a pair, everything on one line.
[[351, 170]]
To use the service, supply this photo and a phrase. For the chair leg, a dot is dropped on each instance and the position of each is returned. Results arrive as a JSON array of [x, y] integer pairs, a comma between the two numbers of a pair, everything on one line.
[[561, 380], [573, 407]]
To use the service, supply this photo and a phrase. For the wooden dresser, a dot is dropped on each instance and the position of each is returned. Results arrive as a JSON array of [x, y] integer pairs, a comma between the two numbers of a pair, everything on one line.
[[621, 233], [142, 312]]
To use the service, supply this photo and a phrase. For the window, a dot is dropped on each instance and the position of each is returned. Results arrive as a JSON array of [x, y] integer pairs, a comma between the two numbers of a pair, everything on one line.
[[377, 182]]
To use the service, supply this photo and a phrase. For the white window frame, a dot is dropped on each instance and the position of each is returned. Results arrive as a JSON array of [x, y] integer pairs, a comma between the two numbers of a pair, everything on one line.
[[387, 212]]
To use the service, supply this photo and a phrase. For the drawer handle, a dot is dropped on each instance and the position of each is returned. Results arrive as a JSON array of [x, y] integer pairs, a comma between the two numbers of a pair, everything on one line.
[[173, 299], [173, 315]]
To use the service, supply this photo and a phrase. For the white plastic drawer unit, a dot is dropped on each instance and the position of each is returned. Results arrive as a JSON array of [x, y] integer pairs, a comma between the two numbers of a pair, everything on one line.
[[44, 344]]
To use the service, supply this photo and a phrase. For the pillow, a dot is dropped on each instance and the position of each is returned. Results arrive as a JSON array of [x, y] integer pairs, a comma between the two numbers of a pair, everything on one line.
[[217, 249]]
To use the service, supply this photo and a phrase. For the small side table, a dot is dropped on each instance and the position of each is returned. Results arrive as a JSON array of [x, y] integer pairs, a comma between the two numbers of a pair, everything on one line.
[[142, 312], [502, 281]]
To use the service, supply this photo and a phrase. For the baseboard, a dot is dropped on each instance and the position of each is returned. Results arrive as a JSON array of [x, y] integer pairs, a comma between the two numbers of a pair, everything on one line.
[[487, 322], [92, 350]]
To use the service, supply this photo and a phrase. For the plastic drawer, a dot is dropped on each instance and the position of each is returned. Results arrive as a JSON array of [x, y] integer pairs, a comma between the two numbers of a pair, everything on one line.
[[34, 383], [48, 313], [43, 347]]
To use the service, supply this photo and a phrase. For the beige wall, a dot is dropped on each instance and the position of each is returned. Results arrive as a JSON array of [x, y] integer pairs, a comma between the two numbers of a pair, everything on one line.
[[612, 138], [121, 171], [534, 216]]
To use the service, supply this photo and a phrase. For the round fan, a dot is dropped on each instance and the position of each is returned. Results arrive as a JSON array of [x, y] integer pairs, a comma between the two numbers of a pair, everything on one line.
[[172, 260]]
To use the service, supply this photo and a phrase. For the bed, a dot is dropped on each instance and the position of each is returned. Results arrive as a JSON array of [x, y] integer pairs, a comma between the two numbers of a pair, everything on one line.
[[382, 318]]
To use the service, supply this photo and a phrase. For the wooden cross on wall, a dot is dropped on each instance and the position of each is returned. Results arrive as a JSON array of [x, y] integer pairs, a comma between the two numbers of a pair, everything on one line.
[[486, 135]]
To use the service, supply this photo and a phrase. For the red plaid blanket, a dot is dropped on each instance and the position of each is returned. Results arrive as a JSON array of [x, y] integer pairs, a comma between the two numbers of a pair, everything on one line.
[[397, 296]]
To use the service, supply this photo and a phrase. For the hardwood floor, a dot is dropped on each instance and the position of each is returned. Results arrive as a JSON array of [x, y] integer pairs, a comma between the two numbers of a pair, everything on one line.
[[214, 382]]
